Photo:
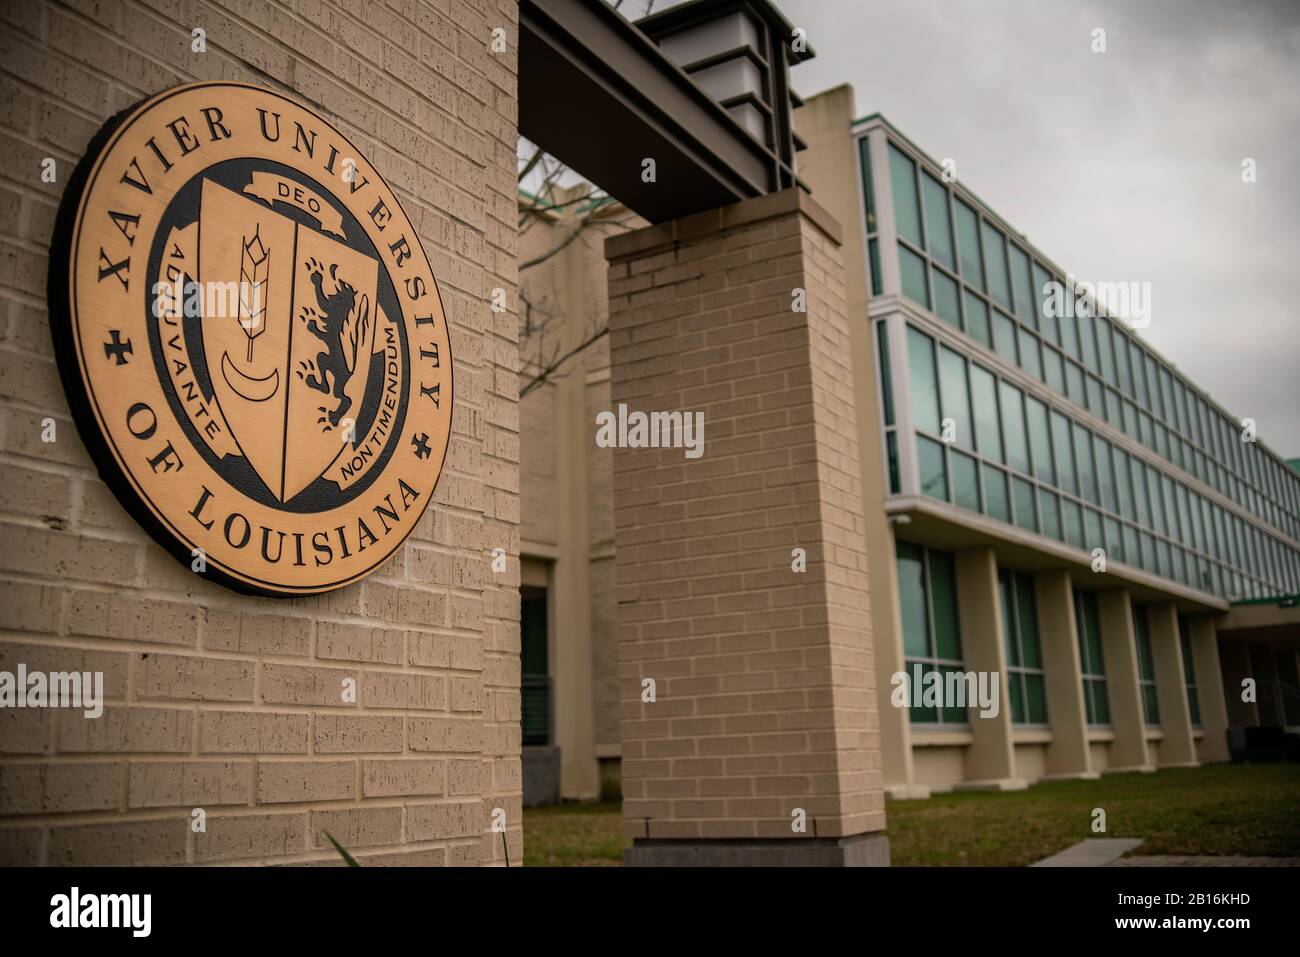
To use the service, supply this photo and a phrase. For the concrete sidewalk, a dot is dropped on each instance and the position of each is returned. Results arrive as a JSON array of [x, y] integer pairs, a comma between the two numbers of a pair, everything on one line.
[[1094, 852]]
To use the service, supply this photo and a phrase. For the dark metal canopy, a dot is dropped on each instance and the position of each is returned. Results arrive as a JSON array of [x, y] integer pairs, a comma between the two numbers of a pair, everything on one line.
[[598, 94]]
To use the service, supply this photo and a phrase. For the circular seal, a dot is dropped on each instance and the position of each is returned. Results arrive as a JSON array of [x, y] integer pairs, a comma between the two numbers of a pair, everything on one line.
[[251, 338]]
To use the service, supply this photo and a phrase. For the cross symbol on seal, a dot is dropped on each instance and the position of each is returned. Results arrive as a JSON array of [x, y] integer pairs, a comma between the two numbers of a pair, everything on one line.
[[117, 349]]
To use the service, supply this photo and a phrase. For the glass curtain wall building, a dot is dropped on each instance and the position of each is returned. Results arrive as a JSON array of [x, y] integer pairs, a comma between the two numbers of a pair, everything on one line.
[[1066, 426], [1064, 504]]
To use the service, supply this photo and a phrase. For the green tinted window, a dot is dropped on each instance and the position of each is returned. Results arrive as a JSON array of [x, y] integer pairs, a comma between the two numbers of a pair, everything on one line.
[[1049, 506], [1025, 678], [995, 494], [868, 188], [956, 406], [886, 376], [1064, 454], [1072, 519], [995, 262], [907, 211], [968, 242], [1090, 658], [891, 449], [1083, 462], [943, 599], [1146, 667], [1092, 530], [984, 393], [1088, 342], [1121, 359], [1029, 358], [1114, 540], [1022, 282], [911, 597], [1105, 475], [1104, 351], [1069, 334], [1013, 427], [934, 481], [977, 319], [1040, 442], [937, 222], [1031, 654], [1153, 500], [1095, 404], [946, 303], [1053, 370], [1074, 383], [965, 481], [911, 269], [1004, 337], [1009, 640], [1139, 374], [1022, 494], [925, 391], [1043, 292], [1124, 484]]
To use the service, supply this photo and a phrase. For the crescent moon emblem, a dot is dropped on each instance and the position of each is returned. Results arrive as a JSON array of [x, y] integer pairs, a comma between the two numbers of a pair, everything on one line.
[[247, 386]]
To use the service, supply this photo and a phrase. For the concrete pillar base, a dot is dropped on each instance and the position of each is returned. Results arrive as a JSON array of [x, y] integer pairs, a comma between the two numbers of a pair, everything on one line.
[[995, 784], [907, 792], [860, 850]]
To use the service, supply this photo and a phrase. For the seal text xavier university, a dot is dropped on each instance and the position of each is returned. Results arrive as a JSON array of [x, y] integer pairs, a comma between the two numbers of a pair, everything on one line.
[[251, 338]]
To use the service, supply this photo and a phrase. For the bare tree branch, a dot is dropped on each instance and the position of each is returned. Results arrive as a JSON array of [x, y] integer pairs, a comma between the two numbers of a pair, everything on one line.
[[531, 164], [555, 364]]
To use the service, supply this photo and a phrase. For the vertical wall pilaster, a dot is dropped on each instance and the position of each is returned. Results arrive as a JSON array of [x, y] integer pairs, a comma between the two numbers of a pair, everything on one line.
[[1068, 754], [1177, 748], [574, 699], [990, 759], [1213, 745], [1128, 752], [825, 123]]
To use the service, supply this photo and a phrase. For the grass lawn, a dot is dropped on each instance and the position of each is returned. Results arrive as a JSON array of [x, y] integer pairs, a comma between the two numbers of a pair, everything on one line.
[[575, 835], [1252, 810]]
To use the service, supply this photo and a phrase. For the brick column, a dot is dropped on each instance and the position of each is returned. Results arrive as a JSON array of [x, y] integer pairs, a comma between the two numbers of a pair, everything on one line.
[[760, 744], [1067, 755], [1177, 749], [1209, 687], [990, 759], [1128, 752]]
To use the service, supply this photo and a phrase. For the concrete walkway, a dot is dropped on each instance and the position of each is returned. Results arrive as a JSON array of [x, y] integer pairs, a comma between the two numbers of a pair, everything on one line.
[[1094, 852], [1168, 860], [1110, 851]]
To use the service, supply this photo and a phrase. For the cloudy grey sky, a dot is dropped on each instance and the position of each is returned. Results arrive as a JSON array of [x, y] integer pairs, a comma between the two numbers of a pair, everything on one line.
[[1123, 165]]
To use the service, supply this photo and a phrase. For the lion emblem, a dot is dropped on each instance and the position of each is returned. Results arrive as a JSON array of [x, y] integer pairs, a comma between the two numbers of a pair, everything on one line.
[[341, 319]]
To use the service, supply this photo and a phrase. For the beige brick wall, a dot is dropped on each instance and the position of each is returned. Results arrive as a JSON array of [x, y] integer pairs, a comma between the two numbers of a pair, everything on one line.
[[764, 676], [543, 285], [221, 701]]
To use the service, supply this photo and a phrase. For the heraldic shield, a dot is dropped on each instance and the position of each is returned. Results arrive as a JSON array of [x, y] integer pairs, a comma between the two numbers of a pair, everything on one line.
[[288, 345]]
